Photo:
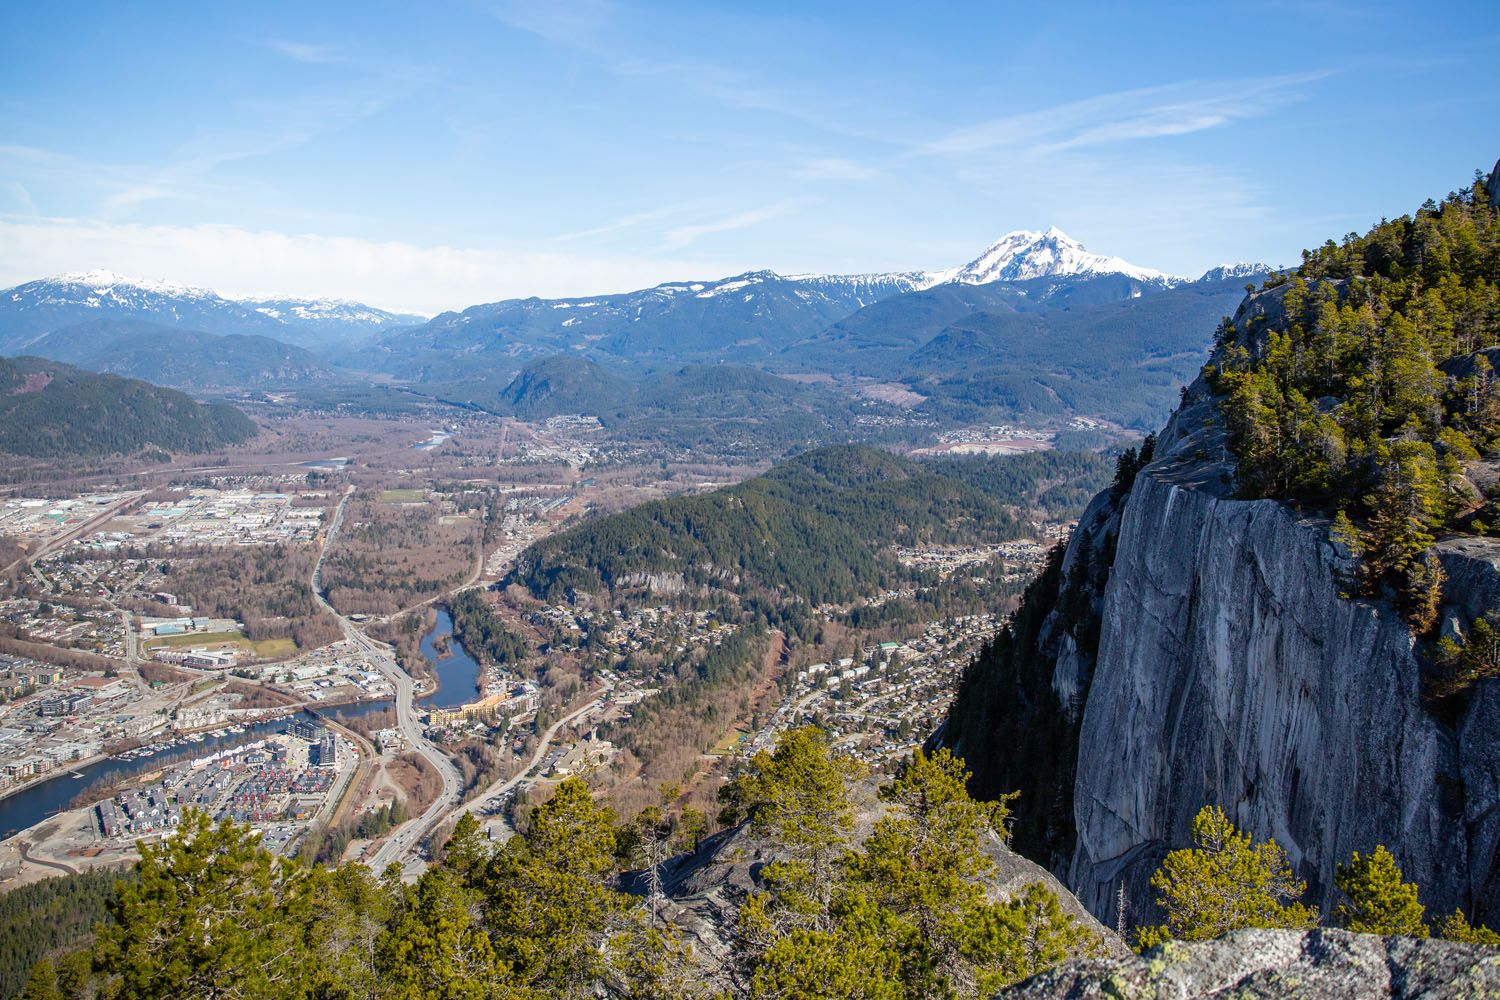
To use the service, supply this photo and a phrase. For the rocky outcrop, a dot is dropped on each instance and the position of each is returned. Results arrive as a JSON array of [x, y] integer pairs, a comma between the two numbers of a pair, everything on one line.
[[1311, 965], [1232, 671], [704, 890]]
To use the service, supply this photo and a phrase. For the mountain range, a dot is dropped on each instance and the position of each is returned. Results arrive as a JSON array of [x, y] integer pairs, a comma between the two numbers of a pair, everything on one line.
[[181, 358], [752, 298], [39, 307], [795, 322], [1034, 326]]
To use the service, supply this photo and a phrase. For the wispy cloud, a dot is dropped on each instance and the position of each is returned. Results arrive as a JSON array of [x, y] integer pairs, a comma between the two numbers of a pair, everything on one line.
[[576, 23], [1145, 113], [19, 196], [316, 53], [683, 236], [835, 169], [189, 172], [393, 274], [600, 29], [635, 220]]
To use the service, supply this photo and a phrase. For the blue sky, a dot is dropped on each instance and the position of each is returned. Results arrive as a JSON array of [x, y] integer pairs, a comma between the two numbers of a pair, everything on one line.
[[435, 155]]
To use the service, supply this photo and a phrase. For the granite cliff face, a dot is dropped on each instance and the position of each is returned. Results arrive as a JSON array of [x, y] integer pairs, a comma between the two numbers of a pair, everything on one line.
[[1202, 653], [1231, 670]]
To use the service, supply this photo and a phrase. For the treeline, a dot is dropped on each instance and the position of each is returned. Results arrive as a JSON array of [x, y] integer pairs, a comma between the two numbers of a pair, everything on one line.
[[49, 409], [905, 912], [46, 917], [1006, 704], [1368, 388], [817, 528], [47, 653]]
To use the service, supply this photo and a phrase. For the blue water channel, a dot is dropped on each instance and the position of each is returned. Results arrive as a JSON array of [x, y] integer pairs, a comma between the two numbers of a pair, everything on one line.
[[457, 672], [32, 804]]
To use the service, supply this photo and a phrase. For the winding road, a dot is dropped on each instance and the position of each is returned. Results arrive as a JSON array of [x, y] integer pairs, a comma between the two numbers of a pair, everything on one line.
[[401, 847], [411, 833]]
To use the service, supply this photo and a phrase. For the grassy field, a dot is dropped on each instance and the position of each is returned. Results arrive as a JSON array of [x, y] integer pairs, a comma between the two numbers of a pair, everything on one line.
[[264, 648], [731, 743], [403, 496], [197, 639]]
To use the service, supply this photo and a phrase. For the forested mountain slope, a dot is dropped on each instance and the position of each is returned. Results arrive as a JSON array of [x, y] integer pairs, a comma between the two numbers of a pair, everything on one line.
[[1040, 349], [816, 529], [49, 409], [747, 316]]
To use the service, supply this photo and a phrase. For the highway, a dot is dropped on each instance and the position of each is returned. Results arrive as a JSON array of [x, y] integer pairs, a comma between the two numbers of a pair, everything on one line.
[[401, 847], [409, 834]]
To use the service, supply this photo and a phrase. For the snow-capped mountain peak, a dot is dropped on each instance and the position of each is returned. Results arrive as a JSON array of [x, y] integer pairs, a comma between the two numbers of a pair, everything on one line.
[[1239, 269], [1024, 254], [104, 285], [103, 282]]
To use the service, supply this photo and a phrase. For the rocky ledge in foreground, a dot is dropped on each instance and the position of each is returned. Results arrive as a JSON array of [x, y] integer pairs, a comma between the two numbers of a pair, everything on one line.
[[1315, 965]]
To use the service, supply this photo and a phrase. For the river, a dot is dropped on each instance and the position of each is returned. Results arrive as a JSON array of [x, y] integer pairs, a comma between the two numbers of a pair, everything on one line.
[[35, 803], [457, 673]]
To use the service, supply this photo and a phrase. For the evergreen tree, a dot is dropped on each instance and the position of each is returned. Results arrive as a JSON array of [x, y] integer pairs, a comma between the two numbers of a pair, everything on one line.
[[437, 950], [1362, 392], [1029, 934], [1456, 927], [1378, 901], [211, 914], [1463, 663], [349, 911], [907, 911], [42, 984], [548, 898], [798, 798], [852, 960], [924, 863], [1224, 882]]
